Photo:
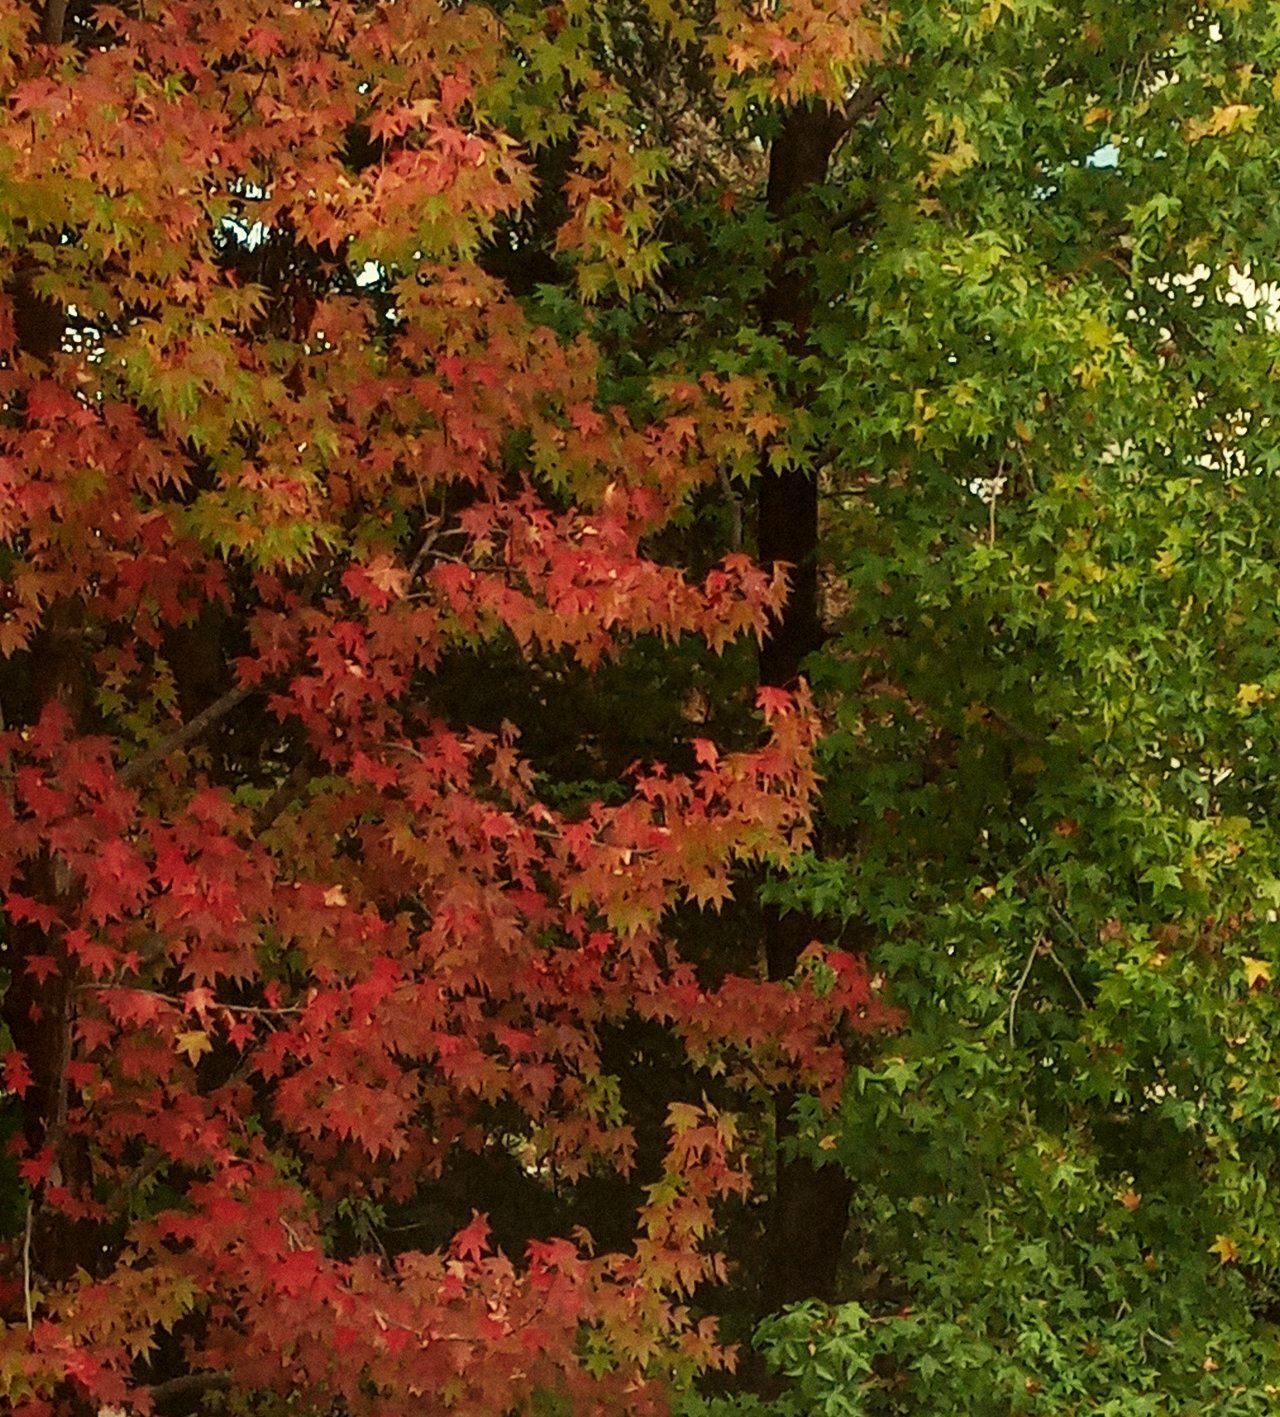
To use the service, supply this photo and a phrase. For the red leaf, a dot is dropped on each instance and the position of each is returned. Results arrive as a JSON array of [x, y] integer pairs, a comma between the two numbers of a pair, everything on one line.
[[472, 1242], [36, 1168], [17, 1075]]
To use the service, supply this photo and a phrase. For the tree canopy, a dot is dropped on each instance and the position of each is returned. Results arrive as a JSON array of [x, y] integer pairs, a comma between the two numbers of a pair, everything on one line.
[[641, 662]]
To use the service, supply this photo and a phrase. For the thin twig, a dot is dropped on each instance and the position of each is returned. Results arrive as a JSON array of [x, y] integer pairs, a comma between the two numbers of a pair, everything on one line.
[[1022, 984], [254, 1010], [1066, 974], [1065, 921], [1075, 934]]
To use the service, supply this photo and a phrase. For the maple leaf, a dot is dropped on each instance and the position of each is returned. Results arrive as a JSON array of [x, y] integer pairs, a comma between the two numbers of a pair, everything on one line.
[[35, 1169], [1256, 971], [307, 415], [17, 1075], [1226, 1249], [193, 1044], [705, 752], [472, 1241], [41, 967], [1223, 120], [22, 908]]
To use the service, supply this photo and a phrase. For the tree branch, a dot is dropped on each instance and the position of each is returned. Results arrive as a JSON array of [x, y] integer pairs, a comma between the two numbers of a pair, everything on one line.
[[1021, 985], [138, 769], [291, 787], [863, 104], [189, 1385]]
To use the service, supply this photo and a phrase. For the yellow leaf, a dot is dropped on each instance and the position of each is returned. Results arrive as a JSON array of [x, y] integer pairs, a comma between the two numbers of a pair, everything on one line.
[[1226, 1249], [391, 579], [335, 895], [682, 1117], [1247, 695], [960, 158], [1097, 333], [1223, 120], [193, 1045], [1256, 971], [827, 1143]]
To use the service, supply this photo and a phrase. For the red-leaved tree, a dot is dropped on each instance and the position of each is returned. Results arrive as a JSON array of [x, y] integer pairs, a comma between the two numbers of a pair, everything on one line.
[[280, 935]]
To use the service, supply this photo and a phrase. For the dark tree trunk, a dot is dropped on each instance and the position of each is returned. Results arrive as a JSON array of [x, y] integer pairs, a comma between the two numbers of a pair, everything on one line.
[[810, 1205], [39, 1008]]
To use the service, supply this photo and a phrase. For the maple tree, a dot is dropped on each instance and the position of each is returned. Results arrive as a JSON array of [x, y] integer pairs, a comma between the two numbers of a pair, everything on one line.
[[293, 468]]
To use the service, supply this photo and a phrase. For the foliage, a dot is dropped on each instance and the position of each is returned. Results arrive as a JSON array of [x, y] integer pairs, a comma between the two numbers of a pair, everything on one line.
[[383, 389], [1046, 399], [305, 962]]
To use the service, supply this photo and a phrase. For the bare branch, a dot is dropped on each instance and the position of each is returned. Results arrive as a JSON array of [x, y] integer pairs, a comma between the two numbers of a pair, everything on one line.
[[292, 787]]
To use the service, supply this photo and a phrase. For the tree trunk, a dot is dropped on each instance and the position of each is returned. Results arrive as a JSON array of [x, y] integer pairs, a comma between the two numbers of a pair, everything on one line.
[[810, 1205], [39, 1009]]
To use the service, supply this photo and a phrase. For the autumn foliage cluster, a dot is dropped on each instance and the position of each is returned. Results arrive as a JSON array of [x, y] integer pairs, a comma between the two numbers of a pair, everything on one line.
[[289, 929]]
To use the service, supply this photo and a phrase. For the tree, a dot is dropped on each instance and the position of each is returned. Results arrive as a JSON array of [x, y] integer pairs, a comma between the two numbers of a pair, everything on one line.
[[1041, 385], [325, 451]]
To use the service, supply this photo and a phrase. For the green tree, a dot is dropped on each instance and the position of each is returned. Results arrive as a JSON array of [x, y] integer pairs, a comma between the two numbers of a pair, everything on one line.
[[1039, 383]]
